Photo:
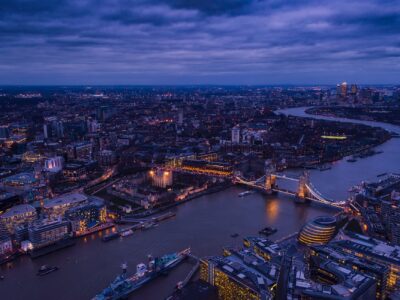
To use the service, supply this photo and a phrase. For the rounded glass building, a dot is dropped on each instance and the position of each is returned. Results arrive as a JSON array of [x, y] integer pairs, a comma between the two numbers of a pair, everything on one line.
[[318, 231]]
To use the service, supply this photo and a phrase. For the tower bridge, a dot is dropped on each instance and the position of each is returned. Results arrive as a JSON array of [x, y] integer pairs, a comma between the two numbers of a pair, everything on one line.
[[305, 190]]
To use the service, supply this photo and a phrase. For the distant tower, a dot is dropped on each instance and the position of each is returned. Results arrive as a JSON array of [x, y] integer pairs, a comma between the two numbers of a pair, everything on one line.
[[236, 135], [343, 89], [180, 117], [354, 89]]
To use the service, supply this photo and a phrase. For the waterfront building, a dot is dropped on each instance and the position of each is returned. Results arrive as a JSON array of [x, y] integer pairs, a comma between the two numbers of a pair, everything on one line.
[[318, 231], [87, 215], [6, 245], [18, 215], [46, 232], [56, 207], [161, 178]]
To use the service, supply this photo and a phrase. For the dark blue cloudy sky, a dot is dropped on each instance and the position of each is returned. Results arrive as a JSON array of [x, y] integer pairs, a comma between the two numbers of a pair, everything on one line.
[[199, 41]]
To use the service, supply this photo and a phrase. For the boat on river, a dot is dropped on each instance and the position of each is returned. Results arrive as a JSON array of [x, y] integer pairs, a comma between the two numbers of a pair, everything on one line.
[[44, 270], [246, 193]]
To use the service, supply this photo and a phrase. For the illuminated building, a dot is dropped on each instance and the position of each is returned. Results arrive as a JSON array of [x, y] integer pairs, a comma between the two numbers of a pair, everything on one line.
[[45, 232], [235, 135], [343, 89], [54, 164], [374, 251], [263, 247], [5, 241], [87, 216], [81, 150], [329, 280], [241, 275], [18, 215], [318, 231], [208, 168], [21, 180], [57, 207], [334, 137], [330, 252], [75, 171], [32, 157], [176, 161], [161, 178]]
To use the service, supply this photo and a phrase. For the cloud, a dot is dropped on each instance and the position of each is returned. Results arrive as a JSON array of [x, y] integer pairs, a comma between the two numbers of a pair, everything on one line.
[[188, 41]]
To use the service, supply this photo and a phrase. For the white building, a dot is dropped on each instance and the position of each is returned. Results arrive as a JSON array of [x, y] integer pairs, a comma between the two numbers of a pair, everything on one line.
[[236, 135], [54, 164]]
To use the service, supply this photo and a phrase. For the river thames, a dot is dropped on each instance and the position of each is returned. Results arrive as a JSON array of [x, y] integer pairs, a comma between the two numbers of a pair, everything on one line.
[[205, 224]]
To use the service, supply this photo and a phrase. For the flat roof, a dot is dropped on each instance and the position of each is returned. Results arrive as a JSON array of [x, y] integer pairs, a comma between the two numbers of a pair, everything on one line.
[[65, 200], [18, 210]]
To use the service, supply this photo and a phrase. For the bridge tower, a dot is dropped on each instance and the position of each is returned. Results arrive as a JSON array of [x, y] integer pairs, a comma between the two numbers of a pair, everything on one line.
[[270, 177], [302, 190]]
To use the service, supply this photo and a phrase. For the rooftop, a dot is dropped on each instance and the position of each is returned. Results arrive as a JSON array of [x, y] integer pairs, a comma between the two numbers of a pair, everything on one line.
[[65, 200], [18, 210]]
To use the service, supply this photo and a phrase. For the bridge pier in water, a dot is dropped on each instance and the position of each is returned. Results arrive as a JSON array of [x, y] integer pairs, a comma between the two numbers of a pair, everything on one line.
[[270, 179], [302, 191]]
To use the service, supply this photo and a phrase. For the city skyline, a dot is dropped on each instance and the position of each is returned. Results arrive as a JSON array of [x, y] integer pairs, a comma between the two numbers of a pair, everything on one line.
[[199, 42]]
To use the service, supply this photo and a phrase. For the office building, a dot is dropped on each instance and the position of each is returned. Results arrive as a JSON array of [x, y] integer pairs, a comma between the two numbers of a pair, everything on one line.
[[373, 251], [87, 215], [46, 232], [240, 275], [56, 207], [235, 138], [318, 231], [6, 245], [4, 132], [18, 215]]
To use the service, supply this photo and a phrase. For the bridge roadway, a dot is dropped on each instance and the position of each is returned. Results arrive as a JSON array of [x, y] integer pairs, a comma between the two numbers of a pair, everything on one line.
[[314, 194]]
